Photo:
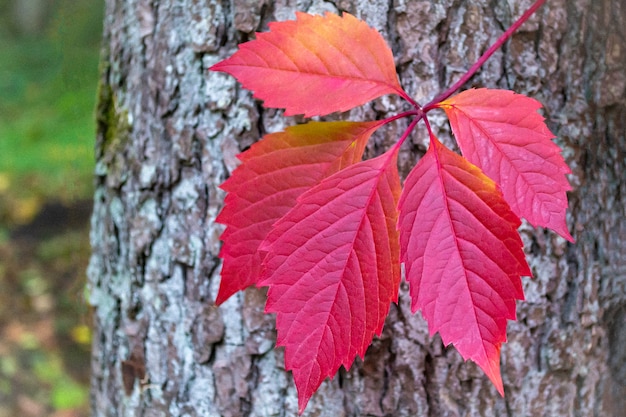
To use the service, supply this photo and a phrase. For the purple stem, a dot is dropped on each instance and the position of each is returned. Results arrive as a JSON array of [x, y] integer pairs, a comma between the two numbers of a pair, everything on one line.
[[408, 98], [408, 130], [503, 38], [430, 131], [400, 116]]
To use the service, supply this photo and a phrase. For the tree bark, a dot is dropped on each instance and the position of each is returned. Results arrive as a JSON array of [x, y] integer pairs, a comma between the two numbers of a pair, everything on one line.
[[169, 130]]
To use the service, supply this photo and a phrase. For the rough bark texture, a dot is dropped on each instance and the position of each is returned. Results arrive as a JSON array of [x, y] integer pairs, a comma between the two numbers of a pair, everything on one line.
[[168, 131]]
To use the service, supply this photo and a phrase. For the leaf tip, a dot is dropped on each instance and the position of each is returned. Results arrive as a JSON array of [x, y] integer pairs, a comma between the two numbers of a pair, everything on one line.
[[490, 364], [221, 297], [567, 236], [561, 229], [217, 67], [305, 391], [497, 382]]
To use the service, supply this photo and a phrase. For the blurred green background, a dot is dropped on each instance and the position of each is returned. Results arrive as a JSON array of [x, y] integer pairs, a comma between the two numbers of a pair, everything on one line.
[[49, 53]]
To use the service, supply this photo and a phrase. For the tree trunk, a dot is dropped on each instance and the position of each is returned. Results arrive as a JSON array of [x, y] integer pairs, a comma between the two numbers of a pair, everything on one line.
[[168, 133]]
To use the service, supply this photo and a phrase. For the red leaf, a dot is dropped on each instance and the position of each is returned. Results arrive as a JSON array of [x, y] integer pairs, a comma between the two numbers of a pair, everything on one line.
[[462, 254], [333, 269], [502, 133], [274, 172], [315, 65]]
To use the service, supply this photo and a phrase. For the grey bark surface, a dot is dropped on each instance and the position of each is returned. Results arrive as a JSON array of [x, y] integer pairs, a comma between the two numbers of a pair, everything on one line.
[[168, 133]]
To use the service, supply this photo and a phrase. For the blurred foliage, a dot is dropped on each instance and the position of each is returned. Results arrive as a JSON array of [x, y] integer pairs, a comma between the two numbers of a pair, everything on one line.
[[49, 52], [47, 97], [44, 325]]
